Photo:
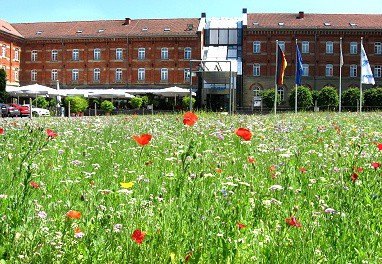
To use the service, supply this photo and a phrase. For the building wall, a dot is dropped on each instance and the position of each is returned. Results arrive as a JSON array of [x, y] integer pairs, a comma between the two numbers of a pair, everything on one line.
[[10, 63]]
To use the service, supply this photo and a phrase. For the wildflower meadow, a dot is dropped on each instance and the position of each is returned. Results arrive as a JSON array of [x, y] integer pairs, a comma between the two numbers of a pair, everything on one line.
[[192, 188]]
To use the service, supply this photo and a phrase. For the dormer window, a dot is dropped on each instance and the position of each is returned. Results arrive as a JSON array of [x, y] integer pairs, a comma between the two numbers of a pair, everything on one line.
[[145, 29], [79, 31], [101, 30], [281, 24], [352, 24], [39, 32], [327, 24], [167, 29], [256, 24]]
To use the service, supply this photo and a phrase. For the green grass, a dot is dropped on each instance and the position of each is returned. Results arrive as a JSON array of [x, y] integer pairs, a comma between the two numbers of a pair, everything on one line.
[[192, 186]]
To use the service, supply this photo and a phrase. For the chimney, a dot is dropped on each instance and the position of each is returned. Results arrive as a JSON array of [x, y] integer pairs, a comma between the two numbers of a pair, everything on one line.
[[244, 10], [127, 21], [300, 15], [203, 15]]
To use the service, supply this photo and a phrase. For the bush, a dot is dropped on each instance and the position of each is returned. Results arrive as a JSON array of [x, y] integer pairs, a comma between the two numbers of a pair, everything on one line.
[[186, 102], [78, 104], [373, 97], [304, 97], [136, 102], [145, 100], [350, 98], [40, 102], [3, 80], [328, 97], [107, 106], [269, 98]]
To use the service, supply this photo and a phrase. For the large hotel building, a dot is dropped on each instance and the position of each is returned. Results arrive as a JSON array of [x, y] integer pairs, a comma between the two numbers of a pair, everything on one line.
[[219, 58]]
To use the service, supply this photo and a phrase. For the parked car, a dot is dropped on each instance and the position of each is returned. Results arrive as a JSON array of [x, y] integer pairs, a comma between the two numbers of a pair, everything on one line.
[[7, 110], [24, 110], [36, 111]]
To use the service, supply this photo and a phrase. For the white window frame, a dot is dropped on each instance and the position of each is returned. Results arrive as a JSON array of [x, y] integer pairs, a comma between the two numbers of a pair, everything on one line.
[[256, 47], [187, 53], [34, 55], [329, 47], [16, 54], [256, 69], [54, 75], [187, 73], [377, 71], [119, 54], [118, 74], [141, 53], [75, 55], [164, 74], [305, 70], [329, 70], [164, 54], [305, 47], [3, 51], [353, 48], [256, 91], [75, 74], [353, 70], [16, 74], [33, 75], [281, 92], [141, 74], [377, 48], [97, 54], [54, 55], [97, 74]]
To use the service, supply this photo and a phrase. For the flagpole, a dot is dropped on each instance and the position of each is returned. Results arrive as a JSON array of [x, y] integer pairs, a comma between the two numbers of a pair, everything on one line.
[[295, 96], [360, 81], [341, 63], [277, 51]]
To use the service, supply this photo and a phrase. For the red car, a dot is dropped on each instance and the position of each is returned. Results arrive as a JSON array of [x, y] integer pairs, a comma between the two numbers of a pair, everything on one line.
[[24, 110]]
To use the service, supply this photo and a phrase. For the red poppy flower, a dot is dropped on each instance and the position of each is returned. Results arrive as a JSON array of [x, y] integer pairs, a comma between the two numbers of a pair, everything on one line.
[[78, 230], [354, 177], [375, 165], [379, 146], [143, 139], [251, 159], [35, 185], [218, 170], [1, 131], [240, 225], [244, 133], [189, 118], [138, 236], [51, 133], [73, 214], [292, 221], [303, 170], [188, 256]]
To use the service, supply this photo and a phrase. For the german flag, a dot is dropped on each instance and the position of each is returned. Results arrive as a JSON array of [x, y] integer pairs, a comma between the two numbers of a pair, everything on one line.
[[281, 65]]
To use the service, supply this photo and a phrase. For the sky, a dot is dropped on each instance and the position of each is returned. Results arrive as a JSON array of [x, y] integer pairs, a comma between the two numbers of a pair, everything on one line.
[[86, 10]]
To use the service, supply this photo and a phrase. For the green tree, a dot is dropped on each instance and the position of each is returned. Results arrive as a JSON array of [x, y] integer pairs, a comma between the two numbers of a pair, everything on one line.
[[107, 106], [136, 102], [186, 102], [4, 96], [269, 98], [350, 98], [78, 104], [40, 102], [304, 98], [145, 100], [373, 97], [328, 97]]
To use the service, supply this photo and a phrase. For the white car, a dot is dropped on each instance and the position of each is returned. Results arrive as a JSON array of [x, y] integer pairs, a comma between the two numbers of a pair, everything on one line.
[[36, 111]]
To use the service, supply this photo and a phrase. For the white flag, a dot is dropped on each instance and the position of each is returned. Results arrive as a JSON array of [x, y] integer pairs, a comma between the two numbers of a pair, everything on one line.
[[366, 73], [341, 56]]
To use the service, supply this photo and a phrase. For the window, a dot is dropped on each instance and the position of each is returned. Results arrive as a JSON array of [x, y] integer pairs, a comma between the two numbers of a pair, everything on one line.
[[33, 75], [305, 70], [118, 54], [256, 69], [34, 55], [164, 54], [54, 55], [256, 47], [16, 54], [75, 55], [329, 70], [75, 75], [3, 51], [97, 74], [329, 47], [377, 71], [54, 75], [256, 91], [141, 53], [353, 47], [377, 48], [187, 74], [16, 74], [164, 74], [280, 91], [353, 70], [305, 47], [141, 74], [118, 74], [187, 53], [97, 54], [282, 45]]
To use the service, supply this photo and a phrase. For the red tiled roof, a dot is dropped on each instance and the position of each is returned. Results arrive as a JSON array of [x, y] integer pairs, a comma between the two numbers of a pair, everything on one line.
[[7, 28], [314, 21], [108, 28]]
